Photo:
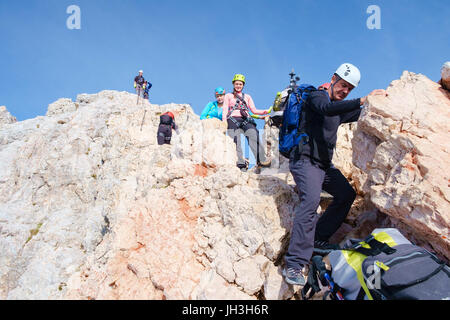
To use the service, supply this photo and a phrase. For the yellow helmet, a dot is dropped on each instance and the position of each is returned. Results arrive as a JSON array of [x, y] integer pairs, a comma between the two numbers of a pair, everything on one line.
[[239, 77]]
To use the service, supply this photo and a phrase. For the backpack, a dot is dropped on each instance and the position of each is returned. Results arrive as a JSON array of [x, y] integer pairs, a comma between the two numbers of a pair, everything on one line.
[[279, 105], [166, 118], [292, 128], [148, 87], [386, 266], [288, 114]]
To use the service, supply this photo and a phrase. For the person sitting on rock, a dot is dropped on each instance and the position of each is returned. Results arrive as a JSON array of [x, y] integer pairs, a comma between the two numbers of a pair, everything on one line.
[[214, 109], [313, 171], [166, 124], [237, 107], [445, 76]]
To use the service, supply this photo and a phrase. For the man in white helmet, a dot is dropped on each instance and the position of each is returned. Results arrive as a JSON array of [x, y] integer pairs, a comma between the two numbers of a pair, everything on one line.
[[139, 83], [313, 171]]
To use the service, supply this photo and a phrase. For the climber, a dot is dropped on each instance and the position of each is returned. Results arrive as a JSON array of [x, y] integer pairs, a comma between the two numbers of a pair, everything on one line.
[[312, 169], [147, 86], [236, 112], [445, 76], [166, 124], [214, 109], [139, 83]]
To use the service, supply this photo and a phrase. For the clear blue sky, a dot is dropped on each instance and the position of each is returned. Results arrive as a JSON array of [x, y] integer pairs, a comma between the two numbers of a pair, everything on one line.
[[187, 48]]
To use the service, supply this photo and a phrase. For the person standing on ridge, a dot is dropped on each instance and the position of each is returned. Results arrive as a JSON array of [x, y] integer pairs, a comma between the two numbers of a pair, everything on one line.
[[214, 109], [139, 83], [236, 112], [166, 124], [313, 171]]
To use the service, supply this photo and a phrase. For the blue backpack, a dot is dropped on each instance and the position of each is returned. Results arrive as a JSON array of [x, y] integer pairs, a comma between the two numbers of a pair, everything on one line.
[[291, 133]]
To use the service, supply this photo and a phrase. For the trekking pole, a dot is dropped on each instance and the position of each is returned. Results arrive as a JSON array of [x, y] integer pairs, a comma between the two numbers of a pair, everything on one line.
[[143, 119], [332, 286]]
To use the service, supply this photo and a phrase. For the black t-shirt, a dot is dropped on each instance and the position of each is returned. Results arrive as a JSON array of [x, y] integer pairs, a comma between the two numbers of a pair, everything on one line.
[[321, 121], [139, 80]]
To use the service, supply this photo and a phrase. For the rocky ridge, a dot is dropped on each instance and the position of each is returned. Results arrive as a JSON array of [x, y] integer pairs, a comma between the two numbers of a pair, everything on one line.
[[92, 208]]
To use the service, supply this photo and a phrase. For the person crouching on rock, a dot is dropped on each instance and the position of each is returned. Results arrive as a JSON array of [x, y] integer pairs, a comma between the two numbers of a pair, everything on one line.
[[236, 112], [166, 124], [313, 171], [214, 108]]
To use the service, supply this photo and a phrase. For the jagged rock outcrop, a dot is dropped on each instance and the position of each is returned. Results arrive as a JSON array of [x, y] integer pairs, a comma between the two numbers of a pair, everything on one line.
[[61, 106], [92, 208], [6, 117], [402, 151]]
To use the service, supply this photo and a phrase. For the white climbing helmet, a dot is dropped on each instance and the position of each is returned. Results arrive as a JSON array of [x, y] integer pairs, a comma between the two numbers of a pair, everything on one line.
[[445, 70], [349, 73], [140, 71]]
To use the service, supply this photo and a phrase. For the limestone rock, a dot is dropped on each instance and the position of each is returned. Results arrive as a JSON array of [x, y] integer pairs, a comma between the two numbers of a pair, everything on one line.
[[92, 208], [342, 158], [6, 117], [275, 288], [61, 106], [402, 147]]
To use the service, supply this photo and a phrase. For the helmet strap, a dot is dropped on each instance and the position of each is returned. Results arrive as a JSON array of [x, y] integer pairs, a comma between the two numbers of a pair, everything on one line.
[[333, 84]]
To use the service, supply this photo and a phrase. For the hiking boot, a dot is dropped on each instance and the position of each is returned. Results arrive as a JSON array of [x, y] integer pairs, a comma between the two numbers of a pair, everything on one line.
[[324, 247], [294, 276], [265, 164]]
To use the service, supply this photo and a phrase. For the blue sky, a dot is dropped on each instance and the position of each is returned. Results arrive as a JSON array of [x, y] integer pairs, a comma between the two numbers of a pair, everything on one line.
[[187, 48]]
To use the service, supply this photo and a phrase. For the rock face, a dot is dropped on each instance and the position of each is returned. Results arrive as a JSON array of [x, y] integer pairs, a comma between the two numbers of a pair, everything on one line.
[[6, 117], [61, 106], [92, 208], [402, 149]]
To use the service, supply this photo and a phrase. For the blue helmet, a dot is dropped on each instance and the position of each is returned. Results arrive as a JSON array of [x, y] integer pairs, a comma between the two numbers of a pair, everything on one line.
[[220, 90]]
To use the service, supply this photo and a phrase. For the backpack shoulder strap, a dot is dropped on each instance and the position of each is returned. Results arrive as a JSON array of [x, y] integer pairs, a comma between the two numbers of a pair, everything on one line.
[[376, 247]]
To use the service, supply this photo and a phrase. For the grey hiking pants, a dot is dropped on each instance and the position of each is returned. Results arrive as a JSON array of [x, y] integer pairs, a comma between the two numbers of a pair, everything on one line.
[[139, 90], [164, 134], [311, 180], [251, 133]]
